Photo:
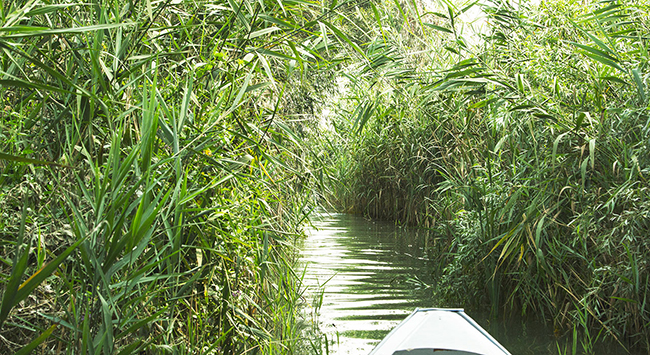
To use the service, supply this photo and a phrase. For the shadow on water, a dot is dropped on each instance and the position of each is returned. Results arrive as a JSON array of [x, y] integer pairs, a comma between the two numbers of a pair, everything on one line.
[[372, 274]]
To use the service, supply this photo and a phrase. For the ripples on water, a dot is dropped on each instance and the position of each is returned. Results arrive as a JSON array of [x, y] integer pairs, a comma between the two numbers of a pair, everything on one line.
[[369, 271]]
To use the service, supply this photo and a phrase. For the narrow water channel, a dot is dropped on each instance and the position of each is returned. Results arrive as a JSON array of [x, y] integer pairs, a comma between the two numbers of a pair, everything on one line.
[[369, 271], [374, 274]]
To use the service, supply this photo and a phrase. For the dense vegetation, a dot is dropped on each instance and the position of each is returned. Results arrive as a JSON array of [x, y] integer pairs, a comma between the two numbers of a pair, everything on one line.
[[152, 173], [526, 151], [158, 159]]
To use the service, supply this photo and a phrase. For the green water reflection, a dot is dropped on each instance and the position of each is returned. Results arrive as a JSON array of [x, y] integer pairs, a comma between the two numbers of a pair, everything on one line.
[[366, 268], [375, 273]]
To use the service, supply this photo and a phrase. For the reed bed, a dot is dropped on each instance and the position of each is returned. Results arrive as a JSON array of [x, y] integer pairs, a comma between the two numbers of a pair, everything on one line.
[[527, 152], [154, 175]]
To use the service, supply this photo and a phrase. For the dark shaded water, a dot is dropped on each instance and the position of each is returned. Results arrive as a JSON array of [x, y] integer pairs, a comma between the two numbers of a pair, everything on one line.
[[374, 274]]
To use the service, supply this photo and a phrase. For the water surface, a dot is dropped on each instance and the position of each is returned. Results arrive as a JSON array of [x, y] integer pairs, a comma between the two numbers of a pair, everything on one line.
[[374, 274], [369, 271]]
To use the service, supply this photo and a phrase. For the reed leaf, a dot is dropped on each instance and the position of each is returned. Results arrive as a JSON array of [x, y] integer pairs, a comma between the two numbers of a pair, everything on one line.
[[27, 349]]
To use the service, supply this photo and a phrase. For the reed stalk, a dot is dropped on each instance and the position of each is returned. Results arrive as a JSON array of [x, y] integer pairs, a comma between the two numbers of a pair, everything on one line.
[[526, 152]]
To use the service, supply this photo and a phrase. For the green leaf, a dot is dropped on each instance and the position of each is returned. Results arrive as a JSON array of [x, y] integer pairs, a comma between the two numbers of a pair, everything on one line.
[[263, 32], [267, 68], [19, 159], [22, 28], [595, 51], [39, 276], [604, 60], [140, 323], [614, 79], [451, 15], [469, 6], [525, 108], [555, 144], [579, 120], [19, 83], [27, 31], [48, 9], [439, 28], [243, 88], [583, 170], [53, 72], [185, 105], [501, 142], [18, 268], [271, 53], [342, 36], [624, 299], [108, 324], [131, 348], [277, 21], [378, 19], [364, 113], [592, 151], [451, 49], [602, 12], [27, 349], [468, 82], [600, 43], [538, 231], [520, 83], [639, 84]]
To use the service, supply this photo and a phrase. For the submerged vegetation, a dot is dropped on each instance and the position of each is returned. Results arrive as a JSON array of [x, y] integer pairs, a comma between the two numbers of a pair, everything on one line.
[[526, 151], [158, 160]]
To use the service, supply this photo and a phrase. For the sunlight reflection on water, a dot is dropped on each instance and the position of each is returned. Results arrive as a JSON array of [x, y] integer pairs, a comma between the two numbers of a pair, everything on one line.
[[364, 267], [368, 268]]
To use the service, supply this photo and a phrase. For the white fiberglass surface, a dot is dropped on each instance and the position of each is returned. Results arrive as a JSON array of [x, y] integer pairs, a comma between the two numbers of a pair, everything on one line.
[[439, 330]]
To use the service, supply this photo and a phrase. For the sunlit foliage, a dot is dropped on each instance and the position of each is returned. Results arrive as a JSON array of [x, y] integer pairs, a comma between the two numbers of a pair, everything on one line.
[[526, 151]]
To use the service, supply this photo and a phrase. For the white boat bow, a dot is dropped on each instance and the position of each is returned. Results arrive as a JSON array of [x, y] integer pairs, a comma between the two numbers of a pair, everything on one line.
[[438, 331]]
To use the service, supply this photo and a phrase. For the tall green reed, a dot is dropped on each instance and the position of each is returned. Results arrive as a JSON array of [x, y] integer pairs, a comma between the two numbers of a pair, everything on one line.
[[174, 174], [523, 152]]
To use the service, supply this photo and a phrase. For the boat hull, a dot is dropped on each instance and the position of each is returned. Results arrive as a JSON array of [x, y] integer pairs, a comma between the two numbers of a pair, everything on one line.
[[439, 331]]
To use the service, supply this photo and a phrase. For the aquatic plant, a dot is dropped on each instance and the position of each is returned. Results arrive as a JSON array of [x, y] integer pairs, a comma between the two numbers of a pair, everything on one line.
[[527, 151], [154, 173]]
